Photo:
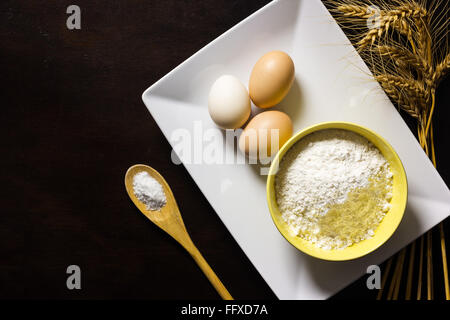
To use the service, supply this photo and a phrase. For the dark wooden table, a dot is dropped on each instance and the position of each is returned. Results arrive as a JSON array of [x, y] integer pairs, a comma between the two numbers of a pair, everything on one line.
[[73, 121]]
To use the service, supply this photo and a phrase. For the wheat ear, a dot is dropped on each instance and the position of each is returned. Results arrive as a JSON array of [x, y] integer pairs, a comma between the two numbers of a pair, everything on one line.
[[441, 70], [404, 57], [403, 102], [395, 18], [356, 11], [410, 10], [386, 22], [412, 88]]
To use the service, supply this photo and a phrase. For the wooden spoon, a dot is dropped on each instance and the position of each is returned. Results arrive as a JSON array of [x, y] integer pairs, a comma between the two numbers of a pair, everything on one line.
[[169, 219]]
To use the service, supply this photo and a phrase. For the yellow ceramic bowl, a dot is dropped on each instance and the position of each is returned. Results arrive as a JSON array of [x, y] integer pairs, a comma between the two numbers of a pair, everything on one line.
[[387, 226]]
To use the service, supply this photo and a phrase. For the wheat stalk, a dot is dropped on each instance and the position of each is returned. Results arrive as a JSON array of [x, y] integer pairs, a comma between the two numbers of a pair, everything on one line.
[[404, 52]]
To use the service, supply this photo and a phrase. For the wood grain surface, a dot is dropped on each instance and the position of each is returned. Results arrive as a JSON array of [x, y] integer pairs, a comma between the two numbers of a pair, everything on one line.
[[73, 121]]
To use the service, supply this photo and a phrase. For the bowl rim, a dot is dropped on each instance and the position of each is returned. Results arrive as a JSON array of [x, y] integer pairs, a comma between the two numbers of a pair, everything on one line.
[[344, 125]]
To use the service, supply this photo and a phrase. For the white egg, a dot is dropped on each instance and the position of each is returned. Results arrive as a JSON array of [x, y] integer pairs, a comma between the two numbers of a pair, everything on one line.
[[229, 102]]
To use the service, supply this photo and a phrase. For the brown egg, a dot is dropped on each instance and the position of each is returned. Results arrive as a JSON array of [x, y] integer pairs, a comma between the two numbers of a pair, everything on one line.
[[257, 139], [271, 79]]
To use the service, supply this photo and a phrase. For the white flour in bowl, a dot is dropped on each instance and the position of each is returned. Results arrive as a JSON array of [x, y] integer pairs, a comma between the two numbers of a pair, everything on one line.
[[333, 188]]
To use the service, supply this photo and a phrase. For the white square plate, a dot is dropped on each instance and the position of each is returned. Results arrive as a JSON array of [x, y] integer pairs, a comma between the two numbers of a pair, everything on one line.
[[332, 83]]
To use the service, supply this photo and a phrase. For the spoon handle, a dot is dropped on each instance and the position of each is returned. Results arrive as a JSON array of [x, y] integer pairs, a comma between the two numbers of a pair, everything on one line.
[[209, 273]]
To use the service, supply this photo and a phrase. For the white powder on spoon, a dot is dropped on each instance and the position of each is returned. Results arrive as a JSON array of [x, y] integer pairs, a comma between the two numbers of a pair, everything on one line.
[[149, 191]]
